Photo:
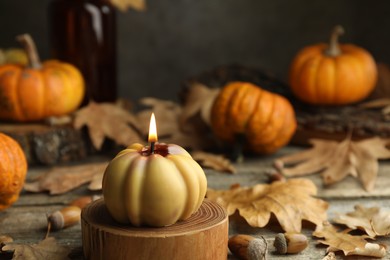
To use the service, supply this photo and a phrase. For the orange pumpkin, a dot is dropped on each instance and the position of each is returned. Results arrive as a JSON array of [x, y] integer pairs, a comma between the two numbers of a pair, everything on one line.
[[266, 120], [332, 74], [13, 169], [39, 90]]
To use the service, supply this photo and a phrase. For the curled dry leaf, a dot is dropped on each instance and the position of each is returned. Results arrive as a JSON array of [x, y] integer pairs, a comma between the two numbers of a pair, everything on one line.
[[199, 99], [59, 180], [213, 161], [350, 245], [337, 160], [371, 220], [107, 120], [123, 5], [45, 249], [290, 201]]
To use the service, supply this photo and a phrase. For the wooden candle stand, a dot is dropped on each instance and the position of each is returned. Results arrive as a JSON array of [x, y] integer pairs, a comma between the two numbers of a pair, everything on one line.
[[202, 236]]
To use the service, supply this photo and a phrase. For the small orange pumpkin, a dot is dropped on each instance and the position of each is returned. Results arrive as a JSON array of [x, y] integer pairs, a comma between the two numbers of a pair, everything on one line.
[[333, 74], [266, 120], [13, 169], [39, 90]]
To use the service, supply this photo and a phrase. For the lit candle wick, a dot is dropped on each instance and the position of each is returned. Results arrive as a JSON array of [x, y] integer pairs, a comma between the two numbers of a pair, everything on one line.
[[152, 147], [152, 133]]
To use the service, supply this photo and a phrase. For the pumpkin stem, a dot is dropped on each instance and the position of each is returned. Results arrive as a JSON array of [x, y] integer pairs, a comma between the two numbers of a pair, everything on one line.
[[333, 49], [31, 50]]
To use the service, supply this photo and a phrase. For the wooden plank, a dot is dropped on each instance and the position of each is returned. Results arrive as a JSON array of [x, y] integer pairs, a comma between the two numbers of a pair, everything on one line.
[[25, 221], [254, 170]]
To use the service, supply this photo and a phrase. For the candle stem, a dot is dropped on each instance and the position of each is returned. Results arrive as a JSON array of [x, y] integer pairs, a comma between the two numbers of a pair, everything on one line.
[[152, 147]]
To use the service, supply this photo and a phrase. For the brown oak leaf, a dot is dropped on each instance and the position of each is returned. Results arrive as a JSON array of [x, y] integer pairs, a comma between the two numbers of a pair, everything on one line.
[[350, 245], [337, 160], [199, 99], [290, 201], [107, 120], [60, 180], [123, 5], [45, 249], [213, 161], [371, 220]]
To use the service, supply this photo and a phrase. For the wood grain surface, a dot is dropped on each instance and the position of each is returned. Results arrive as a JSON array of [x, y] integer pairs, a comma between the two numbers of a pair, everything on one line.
[[202, 236]]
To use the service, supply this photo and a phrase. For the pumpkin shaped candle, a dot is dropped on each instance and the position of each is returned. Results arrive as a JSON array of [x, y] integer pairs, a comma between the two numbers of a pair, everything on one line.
[[154, 185]]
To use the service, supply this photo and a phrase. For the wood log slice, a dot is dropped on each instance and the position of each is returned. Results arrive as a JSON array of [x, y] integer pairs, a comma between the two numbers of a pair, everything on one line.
[[45, 144], [203, 236]]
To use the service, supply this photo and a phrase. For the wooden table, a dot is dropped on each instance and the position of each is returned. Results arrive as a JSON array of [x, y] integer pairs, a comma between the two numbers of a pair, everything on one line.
[[26, 221]]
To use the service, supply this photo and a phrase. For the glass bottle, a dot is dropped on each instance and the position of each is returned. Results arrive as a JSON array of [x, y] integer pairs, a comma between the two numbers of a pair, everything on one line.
[[83, 33]]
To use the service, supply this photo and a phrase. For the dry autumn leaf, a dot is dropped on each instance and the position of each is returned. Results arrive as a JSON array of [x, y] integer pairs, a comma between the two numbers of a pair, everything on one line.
[[107, 120], [169, 127], [336, 160], [59, 180], [199, 99], [123, 5], [46, 249], [166, 112], [350, 245], [213, 161], [291, 202], [371, 220]]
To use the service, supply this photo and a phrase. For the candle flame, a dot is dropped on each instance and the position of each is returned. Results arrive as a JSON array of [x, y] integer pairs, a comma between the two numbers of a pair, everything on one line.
[[152, 130]]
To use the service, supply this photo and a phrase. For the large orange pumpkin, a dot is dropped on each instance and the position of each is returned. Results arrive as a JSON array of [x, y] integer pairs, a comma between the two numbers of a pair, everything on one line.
[[39, 90], [265, 120], [332, 74], [13, 169]]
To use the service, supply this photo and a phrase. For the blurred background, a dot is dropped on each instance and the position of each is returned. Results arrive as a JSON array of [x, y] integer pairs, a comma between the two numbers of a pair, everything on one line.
[[173, 40]]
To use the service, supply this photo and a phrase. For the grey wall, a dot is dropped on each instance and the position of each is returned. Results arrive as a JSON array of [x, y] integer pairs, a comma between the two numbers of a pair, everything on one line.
[[176, 39]]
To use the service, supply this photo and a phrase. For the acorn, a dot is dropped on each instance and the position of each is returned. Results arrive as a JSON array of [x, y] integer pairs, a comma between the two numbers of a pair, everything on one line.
[[248, 247], [290, 243], [65, 217], [83, 201]]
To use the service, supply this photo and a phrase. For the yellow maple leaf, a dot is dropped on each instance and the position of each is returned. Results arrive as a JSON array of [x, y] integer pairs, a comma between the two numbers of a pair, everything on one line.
[[291, 202], [335, 160], [350, 245]]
